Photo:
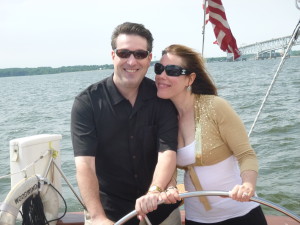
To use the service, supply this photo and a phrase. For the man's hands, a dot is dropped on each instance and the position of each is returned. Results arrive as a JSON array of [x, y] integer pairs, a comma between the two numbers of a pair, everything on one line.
[[146, 204], [151, 200]]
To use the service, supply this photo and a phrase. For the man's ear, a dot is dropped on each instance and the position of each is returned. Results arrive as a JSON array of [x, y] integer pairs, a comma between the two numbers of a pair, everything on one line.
[[113, 54]]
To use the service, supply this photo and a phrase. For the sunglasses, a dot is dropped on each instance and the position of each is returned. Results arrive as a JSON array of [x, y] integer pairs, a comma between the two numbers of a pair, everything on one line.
[[171, 70], [125, 53]]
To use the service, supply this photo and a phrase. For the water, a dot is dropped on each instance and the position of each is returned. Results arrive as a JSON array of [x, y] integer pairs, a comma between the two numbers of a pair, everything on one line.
[[31, 105]]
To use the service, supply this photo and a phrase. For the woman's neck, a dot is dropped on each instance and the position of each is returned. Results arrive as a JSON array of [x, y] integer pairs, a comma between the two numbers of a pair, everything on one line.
[[184, 103], [186, 125]]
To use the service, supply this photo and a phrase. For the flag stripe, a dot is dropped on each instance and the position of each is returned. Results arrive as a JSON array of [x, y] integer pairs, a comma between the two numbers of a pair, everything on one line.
[[217, 19], [217, 8], [225, 39]]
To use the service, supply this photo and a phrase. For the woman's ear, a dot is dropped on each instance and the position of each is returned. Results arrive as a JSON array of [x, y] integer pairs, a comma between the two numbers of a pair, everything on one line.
[[192, 77]]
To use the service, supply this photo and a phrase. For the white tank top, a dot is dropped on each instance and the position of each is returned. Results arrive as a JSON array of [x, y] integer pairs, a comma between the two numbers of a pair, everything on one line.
[[222, 176]]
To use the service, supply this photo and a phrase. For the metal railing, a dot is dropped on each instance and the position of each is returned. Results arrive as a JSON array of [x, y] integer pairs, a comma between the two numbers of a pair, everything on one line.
[[218, 193]]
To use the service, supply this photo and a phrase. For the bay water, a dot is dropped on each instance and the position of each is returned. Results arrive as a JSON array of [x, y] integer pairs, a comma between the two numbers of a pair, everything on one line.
[[31, 105]]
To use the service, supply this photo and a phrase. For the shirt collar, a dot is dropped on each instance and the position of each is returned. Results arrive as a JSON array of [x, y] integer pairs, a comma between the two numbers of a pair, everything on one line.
[[147, 90], [115, 95]]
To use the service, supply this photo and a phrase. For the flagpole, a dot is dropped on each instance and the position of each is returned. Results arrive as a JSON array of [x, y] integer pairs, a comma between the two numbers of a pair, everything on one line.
[[203, 28]]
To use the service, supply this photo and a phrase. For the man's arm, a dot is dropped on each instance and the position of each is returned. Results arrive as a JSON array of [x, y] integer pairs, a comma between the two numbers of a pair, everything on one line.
[[163, 173], [166, 164], [89, 189]]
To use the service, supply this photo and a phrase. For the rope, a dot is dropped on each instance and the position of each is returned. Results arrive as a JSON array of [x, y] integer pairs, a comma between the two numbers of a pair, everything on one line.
[[25, 168], [54, 153], [9, 175], [290, 44], [33, 211]]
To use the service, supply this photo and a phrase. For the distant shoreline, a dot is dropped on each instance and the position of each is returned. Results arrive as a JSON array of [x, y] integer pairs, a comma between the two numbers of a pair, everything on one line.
[[12, 72]]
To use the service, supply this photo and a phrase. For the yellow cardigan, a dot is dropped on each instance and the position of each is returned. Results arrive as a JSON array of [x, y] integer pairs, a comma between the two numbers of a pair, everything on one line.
[[219, 134]]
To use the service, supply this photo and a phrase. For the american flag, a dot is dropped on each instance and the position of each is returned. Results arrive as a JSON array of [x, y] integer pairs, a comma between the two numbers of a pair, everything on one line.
[[215, 13]]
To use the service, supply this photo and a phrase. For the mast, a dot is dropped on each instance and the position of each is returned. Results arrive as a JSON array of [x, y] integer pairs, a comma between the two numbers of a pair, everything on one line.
[[203, 28]]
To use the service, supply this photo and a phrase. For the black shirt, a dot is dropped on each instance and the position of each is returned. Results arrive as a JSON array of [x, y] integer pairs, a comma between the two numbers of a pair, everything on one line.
[[125, 140]]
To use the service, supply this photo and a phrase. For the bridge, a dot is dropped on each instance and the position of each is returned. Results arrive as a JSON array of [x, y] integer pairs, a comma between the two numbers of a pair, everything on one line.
[[267, 49]]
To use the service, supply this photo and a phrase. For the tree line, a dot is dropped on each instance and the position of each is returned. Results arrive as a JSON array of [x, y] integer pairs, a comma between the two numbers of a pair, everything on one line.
[[9, 72], [64, 69], [49, 70]]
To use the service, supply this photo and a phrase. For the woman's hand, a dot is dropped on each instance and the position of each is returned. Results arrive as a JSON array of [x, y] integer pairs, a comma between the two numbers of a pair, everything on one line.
[[246, 190], [242, 193], [170, 195]]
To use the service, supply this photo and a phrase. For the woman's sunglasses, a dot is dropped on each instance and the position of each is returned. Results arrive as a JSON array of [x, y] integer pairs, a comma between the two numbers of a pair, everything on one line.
[[125, 53], [171, 70]]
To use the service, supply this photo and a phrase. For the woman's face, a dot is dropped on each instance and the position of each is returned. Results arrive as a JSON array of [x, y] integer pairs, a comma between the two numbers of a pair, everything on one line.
[[169, 87]]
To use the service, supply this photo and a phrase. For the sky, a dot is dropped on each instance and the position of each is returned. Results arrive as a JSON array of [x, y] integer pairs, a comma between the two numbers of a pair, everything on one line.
[[55, 33]]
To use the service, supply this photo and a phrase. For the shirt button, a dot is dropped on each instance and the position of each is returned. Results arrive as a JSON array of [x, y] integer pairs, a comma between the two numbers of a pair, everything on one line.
[[134, 157], [131, 137], [135, 176]]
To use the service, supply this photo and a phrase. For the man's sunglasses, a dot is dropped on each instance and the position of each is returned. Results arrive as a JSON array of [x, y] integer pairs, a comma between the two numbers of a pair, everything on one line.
[[171, 70], [125, 53]]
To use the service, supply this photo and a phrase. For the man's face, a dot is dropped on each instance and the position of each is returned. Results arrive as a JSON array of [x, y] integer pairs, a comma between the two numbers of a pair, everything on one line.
[[129, 72]]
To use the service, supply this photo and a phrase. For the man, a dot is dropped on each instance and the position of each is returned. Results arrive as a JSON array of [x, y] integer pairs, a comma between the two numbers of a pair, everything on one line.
[[124, 137]]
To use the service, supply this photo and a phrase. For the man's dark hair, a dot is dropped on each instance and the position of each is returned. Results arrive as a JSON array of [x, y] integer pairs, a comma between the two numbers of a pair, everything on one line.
[[135, 29]]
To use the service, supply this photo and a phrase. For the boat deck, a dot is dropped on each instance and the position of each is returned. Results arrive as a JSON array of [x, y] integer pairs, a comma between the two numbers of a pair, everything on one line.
[[78, 219]]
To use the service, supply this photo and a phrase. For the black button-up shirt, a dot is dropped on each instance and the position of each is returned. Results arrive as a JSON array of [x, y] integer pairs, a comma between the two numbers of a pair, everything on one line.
[[125, 140]]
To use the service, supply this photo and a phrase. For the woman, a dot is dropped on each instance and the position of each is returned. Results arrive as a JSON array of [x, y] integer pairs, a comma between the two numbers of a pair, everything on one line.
[[213, 144]]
